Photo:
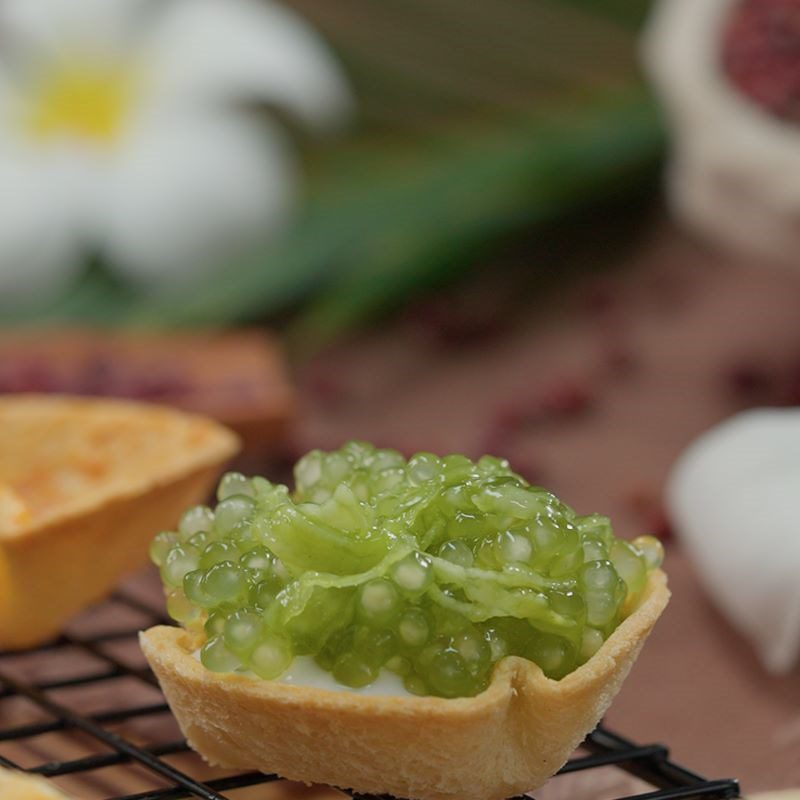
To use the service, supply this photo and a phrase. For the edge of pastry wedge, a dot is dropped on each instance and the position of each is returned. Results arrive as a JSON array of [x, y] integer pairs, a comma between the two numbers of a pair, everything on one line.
[[73, 523]]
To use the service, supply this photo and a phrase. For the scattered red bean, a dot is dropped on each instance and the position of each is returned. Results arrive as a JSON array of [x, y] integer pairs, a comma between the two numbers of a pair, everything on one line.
[[761, 54], [651, 514], [598, 299], [565, 399], [18, 376], [326, 383], [97, 376], [621, 360], [452, 326], [750, 381], [562, 401]]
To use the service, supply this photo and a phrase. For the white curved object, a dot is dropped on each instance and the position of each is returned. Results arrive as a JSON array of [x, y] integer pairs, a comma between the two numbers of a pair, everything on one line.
[[734, 169], [734, 497]]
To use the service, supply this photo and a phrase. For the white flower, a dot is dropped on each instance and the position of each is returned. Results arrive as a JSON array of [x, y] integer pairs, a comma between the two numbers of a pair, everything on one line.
[[127, 131]]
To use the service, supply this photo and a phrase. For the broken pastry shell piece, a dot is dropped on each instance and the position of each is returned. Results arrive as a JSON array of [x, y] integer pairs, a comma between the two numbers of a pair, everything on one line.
[[509, 739], [84, 486], [19, 786]]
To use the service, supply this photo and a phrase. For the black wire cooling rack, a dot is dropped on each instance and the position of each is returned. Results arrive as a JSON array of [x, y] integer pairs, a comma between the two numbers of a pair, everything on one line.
[[91, 696]]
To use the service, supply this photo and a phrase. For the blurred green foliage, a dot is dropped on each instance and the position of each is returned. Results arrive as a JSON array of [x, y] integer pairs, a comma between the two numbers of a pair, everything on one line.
[[628, 12], [477, 120]]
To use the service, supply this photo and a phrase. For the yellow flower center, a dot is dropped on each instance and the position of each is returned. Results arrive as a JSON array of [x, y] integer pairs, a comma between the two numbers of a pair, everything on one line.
[[81, 100]]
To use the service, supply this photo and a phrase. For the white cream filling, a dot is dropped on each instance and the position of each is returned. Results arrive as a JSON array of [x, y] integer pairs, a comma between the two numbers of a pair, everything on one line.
[[304, 671]]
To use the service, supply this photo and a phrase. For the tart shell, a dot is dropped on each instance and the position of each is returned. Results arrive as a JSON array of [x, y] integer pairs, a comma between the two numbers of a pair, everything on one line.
[[61, 549], [509, 739]]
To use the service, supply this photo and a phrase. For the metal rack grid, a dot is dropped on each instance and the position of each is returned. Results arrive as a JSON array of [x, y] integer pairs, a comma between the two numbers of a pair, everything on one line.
[[109, 748]]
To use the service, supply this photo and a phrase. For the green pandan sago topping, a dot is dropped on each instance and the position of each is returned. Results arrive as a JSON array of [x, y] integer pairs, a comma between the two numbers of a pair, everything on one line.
[[433, 568]]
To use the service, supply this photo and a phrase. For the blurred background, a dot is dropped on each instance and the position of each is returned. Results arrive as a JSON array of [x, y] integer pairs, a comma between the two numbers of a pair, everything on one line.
[[558, 231]]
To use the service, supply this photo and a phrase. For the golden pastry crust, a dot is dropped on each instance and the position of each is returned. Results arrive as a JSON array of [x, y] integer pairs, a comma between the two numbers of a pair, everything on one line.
[[84, 485], [19, 786], [507, 740]]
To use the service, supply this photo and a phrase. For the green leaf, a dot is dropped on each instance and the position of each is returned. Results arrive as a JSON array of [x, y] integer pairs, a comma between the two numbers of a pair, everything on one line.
[[631, 13], [477, 189]]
